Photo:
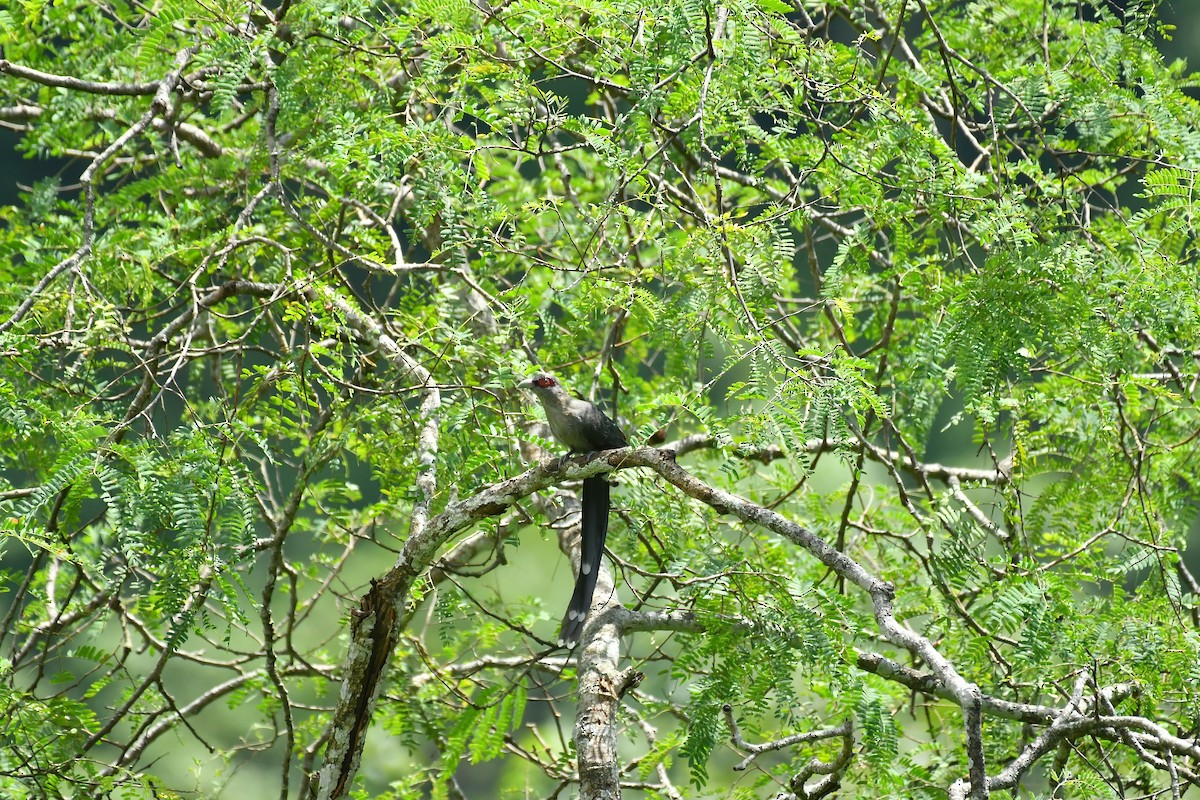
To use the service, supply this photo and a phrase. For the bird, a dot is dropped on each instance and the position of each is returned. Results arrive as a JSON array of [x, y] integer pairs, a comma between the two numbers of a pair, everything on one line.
[[582, 428]]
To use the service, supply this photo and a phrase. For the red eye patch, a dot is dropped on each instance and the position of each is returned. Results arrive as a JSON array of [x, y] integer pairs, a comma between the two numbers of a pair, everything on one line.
[[545, 381]]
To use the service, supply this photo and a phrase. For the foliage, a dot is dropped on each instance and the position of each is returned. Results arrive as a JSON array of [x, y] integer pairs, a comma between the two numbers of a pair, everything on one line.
[[921, 276]]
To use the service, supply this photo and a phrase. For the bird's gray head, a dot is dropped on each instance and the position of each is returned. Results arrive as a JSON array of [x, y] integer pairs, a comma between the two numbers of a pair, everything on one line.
[[542, 383], [549, 392]]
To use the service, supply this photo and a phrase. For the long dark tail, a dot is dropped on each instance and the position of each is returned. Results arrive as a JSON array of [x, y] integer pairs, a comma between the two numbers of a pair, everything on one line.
[[594, 531]]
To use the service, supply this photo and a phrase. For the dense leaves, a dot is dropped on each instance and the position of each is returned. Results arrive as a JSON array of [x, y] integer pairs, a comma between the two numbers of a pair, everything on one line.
[[918, 276]]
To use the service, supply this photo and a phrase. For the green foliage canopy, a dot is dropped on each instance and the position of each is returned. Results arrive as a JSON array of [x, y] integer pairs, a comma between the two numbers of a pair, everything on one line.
[[261, 330]]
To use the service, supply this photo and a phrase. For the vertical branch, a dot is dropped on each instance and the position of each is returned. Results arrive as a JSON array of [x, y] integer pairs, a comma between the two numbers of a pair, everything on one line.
[[375, 624]]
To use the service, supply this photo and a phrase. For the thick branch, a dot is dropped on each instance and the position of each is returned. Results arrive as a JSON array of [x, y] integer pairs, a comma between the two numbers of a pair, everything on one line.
[[419, 550], [71, 82]]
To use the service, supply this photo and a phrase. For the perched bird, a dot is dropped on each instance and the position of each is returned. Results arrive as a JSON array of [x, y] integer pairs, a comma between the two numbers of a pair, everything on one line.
[[582, 428]]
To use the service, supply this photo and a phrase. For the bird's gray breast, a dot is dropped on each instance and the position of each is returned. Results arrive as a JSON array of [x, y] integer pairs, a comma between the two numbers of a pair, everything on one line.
[[571, 429]]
